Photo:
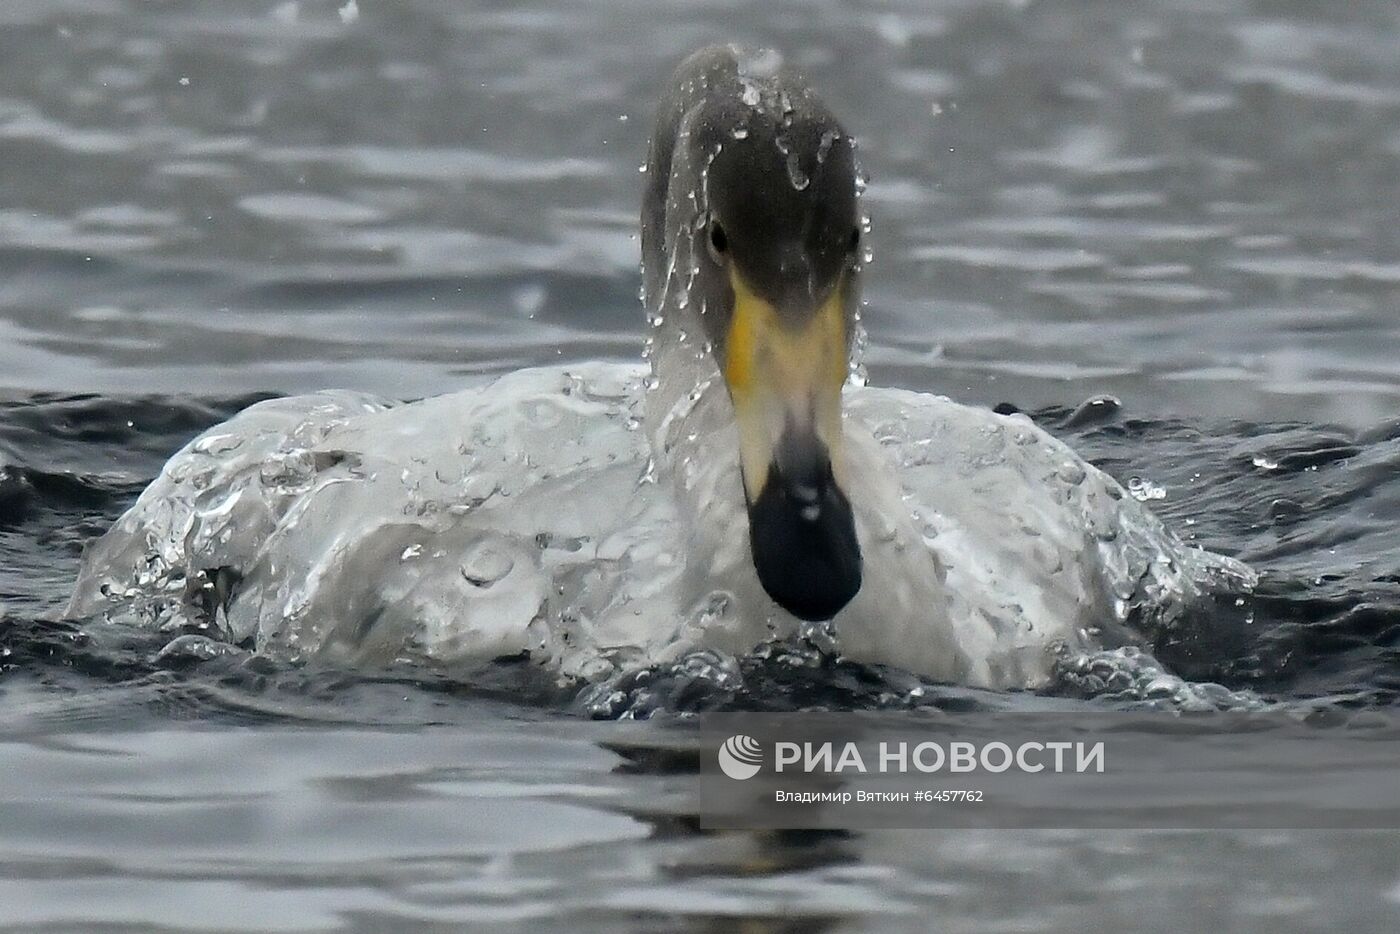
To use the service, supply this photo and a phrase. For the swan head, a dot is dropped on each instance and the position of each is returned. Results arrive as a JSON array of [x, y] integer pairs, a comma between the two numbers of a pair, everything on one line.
[[751, 231]]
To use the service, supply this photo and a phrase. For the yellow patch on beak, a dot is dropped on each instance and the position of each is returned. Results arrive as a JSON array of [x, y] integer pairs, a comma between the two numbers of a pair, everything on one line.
[[784, 374]]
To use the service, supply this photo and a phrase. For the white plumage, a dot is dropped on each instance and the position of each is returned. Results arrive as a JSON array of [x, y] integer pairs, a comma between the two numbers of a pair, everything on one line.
[[529, 515]]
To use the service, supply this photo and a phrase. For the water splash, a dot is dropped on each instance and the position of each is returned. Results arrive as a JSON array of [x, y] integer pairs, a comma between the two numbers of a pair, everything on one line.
[[1129, 677]]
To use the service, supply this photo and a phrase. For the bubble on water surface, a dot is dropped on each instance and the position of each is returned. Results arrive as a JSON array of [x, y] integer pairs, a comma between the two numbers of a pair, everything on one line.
[[1131, 677]]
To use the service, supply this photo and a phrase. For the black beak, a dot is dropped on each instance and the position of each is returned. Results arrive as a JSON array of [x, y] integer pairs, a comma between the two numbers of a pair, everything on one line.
[[803, 533]]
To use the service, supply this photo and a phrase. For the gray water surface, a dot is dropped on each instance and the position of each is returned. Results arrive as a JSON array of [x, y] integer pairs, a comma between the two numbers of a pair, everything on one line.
[[1190, 204]]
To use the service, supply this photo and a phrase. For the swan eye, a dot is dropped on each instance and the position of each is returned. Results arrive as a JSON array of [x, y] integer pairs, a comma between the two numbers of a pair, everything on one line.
[[719, 242]]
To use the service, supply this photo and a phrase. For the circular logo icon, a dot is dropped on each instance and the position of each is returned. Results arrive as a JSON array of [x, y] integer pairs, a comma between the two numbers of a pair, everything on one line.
[[740, 757]]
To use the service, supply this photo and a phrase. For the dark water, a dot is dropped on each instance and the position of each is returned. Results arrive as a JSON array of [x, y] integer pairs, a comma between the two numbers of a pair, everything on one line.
[[1189, 204]]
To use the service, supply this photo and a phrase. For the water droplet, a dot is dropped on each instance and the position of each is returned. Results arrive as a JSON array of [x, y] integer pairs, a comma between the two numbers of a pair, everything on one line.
[[288, 471], [218, 444], [1264, 462], [1143, 489], [785, 103], [860, 339], [796, 176], [1071, 472], [740, 132], [714, 609], [486, 565]]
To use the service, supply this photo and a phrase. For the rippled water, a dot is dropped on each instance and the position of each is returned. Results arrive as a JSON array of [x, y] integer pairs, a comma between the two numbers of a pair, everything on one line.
[[1189, 204]]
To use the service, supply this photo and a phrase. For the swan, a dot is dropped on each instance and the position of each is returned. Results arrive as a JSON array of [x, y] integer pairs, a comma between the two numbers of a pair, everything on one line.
[[734, 488]]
